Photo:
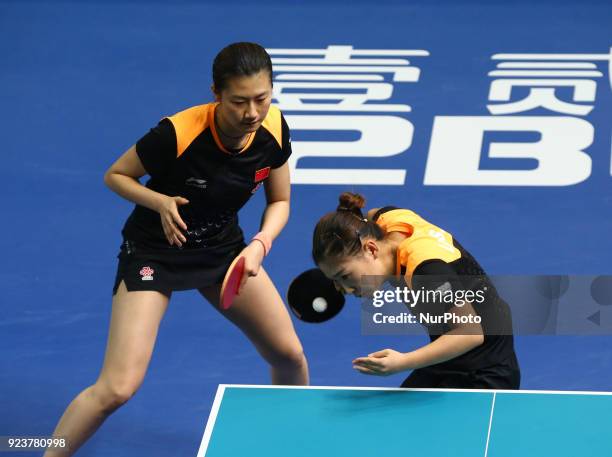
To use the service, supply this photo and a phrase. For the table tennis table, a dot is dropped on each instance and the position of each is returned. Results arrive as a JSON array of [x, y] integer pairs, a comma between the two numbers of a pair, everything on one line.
[[275, 421]]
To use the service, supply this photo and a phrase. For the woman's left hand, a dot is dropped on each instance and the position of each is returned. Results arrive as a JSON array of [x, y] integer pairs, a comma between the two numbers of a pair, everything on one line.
[[382, 363], [253, 256]]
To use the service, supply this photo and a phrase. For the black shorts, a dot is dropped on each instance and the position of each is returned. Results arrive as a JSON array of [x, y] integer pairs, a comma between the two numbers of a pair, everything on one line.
[[505, 375], [167, 269]]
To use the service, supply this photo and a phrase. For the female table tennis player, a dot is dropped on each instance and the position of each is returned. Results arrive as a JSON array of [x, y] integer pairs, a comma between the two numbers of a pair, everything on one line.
[[204, 164], [397, 242]]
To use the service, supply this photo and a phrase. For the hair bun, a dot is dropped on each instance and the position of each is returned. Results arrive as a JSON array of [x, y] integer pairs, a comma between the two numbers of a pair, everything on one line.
[[351, 202]]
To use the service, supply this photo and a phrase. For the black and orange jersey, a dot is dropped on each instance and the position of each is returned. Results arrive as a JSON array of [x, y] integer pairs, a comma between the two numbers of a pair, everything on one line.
[[184, 156], [431, 252]]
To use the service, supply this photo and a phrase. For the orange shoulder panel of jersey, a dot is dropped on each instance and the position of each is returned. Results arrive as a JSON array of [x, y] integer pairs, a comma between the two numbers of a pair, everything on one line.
[[425, 241], [397, 220], [272, 123], [188, 124]]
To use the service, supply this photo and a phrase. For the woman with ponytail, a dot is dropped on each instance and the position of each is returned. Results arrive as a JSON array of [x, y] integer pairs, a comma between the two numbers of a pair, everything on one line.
[[394, 242]]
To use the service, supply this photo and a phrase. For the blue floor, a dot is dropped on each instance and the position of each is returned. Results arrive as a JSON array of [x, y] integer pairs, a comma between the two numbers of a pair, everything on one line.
[[82, 81]]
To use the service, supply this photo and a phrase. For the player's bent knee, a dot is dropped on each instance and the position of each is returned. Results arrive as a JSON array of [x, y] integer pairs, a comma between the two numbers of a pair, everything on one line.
[[114, 394], [118, 396], [290, 358]]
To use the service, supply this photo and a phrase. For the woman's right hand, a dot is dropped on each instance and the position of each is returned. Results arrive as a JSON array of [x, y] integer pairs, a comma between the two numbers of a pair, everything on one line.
[[171, 220]]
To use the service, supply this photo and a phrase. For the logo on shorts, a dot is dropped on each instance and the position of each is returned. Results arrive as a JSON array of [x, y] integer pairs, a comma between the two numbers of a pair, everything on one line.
[[195, 182], [147, 273]]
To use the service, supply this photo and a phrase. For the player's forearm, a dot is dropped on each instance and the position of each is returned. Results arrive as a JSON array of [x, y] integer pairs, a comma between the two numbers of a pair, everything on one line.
[[275, 218], [446, 347], [131, 189]]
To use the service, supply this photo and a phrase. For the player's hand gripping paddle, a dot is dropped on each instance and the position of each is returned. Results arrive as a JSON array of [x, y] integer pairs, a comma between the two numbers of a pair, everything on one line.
[[313, 297], [231, 282]]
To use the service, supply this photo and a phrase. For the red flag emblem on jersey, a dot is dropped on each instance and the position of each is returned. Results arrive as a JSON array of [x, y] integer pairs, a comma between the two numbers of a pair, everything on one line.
[[262, 174]]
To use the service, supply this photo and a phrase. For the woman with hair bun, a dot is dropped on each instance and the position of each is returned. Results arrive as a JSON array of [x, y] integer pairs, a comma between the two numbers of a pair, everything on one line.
[[204, 164], [393, 242]]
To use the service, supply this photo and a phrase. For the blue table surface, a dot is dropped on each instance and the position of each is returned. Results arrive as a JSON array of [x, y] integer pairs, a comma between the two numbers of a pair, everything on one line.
[[328, 421]]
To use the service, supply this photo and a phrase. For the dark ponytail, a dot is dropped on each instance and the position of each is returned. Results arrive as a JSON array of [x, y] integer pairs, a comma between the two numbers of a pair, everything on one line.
[[339, 234], [240, 59]]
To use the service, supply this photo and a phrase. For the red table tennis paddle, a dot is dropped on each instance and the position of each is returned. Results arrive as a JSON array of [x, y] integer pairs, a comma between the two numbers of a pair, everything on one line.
[[231, 282]]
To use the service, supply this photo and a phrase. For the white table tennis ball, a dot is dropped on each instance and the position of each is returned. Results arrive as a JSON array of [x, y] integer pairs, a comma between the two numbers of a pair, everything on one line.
[[319, 304]]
